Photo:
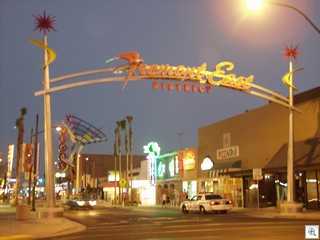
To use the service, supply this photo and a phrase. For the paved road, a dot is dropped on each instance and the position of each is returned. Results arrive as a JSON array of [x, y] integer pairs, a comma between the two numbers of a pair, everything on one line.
[[165, 224]]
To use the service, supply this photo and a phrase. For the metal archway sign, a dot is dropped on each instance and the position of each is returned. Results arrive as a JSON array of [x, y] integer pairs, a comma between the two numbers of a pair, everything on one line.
[[201, 79]]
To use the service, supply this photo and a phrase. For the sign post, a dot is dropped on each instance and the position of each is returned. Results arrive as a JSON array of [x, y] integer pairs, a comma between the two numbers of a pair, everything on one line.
[[257, 175]]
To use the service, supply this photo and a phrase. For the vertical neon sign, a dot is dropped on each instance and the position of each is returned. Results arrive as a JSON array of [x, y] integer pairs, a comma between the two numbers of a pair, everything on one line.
[[153, 151]]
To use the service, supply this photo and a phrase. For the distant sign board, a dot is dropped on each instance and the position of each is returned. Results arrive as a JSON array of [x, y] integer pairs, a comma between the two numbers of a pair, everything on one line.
[[229, 152], [257, 173]]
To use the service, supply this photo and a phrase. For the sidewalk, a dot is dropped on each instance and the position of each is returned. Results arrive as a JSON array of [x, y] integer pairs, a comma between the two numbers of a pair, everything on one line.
[[34, 228], [273, 212]]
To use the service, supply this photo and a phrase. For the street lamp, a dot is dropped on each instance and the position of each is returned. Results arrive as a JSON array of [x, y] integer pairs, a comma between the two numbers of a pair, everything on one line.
[[85, 172], [291, 206], [256, 4]]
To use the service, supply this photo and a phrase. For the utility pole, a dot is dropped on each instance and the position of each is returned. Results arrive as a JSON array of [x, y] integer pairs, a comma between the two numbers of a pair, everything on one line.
[[35, 159]]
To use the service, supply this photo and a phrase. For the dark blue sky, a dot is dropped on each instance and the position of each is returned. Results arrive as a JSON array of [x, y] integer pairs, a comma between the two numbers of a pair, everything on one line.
[[175, 32]]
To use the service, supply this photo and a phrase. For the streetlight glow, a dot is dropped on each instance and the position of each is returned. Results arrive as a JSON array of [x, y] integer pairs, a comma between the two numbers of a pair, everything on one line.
[[257, 4], [254, 4]]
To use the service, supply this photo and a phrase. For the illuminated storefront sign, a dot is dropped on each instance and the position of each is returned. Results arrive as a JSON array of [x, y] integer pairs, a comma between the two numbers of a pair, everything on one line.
[[112, 175], [171, 168], [189, 161], [206, 164], [174, 166], [10, 159], [153, 151], [229, 152], [161, 169]]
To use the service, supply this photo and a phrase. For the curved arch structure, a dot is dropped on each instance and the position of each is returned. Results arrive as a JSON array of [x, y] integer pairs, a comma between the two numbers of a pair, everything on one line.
[[136, 69]]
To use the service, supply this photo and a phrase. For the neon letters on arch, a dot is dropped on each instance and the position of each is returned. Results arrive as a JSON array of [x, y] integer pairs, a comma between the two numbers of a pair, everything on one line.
[[221, 76]]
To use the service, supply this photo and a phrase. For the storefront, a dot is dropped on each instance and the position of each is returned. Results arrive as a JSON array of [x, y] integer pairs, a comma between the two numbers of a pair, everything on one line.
[[176, 176], [213, 176], [257, 139]]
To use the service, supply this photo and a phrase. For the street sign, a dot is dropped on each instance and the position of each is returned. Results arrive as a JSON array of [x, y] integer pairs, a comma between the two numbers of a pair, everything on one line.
[[257, 173], [123, 182]]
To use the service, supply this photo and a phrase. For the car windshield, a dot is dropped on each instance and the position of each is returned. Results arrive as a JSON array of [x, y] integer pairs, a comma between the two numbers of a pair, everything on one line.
[[82, 197], [209, 197]]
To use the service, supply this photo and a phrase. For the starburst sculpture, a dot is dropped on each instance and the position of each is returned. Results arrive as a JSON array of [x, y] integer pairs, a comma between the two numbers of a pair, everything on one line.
[[290, 52], [44, 23]]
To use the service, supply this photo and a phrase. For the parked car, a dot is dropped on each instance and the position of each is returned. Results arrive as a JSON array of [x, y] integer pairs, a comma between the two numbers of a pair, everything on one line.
[[206, 202], [81, 202]]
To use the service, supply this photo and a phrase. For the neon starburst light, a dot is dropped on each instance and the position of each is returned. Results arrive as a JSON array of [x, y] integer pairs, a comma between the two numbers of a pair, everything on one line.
[[44, 23]]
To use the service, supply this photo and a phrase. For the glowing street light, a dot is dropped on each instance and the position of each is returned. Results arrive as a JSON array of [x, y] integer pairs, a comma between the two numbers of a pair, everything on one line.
[[287, 79], [257, 4]]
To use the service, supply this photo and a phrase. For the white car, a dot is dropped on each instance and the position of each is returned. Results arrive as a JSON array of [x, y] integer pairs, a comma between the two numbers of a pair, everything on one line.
[[207, 202]]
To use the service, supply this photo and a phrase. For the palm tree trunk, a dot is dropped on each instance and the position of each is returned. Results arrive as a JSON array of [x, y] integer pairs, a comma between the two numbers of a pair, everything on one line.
[[115, 164], [127, 164], [20, 125], [119, 156], [129, 118]]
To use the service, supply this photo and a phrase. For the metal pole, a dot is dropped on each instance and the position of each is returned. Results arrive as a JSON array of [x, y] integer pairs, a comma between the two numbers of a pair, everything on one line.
[[30, 171], [49, 167], [78, 173], [93, 176], [290, 164], [115, 179], [35, 165]]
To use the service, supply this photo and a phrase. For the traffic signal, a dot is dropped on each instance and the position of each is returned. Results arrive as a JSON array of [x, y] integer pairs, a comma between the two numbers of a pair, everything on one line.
[[27, 156]]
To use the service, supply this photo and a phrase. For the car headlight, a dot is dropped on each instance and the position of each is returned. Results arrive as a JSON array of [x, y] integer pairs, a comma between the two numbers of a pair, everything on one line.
[[92, 203], [81, 203]]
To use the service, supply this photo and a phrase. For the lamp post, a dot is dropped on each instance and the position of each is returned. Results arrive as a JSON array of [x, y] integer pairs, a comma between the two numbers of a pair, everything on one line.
[[290, 206], [290, 156], [255, 4], [85, 173]]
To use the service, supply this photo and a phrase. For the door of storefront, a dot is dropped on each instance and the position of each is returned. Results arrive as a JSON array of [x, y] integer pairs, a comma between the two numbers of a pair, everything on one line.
[[313, 189]]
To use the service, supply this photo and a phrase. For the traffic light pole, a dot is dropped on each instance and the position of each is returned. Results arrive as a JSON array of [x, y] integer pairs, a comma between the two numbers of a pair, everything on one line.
[[35, 165], [30, 172]]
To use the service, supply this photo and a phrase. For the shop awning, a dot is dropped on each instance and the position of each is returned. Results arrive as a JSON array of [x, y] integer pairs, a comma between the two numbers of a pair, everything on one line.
[[306, 155], [224, 168]]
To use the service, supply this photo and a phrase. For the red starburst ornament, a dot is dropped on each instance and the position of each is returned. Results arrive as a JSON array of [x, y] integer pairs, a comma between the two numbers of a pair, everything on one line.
[[44, 23], [290, 52]]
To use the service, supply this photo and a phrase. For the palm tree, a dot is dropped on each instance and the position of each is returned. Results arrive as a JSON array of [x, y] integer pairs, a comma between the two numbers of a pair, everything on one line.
[[115, 162], [20, 126], [119, 155], [129, 119], [124, 126]]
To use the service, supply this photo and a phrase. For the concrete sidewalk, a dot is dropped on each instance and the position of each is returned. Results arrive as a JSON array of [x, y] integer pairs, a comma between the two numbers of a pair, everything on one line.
[[34, 228], [273, 212]]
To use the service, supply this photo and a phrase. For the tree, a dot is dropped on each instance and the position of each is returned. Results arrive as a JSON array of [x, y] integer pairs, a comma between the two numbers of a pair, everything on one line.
[[115, 162], [124, 126], [119, 156], [20, 126], [129, 119]]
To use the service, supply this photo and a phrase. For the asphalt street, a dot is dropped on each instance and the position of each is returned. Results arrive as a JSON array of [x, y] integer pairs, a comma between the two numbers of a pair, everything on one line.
[[147, 223]]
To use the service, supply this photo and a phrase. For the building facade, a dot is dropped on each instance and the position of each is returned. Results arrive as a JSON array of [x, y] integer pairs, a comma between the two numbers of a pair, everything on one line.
[[258, 139], [176, 176]]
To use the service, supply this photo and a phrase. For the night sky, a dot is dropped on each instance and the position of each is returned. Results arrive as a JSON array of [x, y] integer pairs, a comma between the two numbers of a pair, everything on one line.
[[174, 32]]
